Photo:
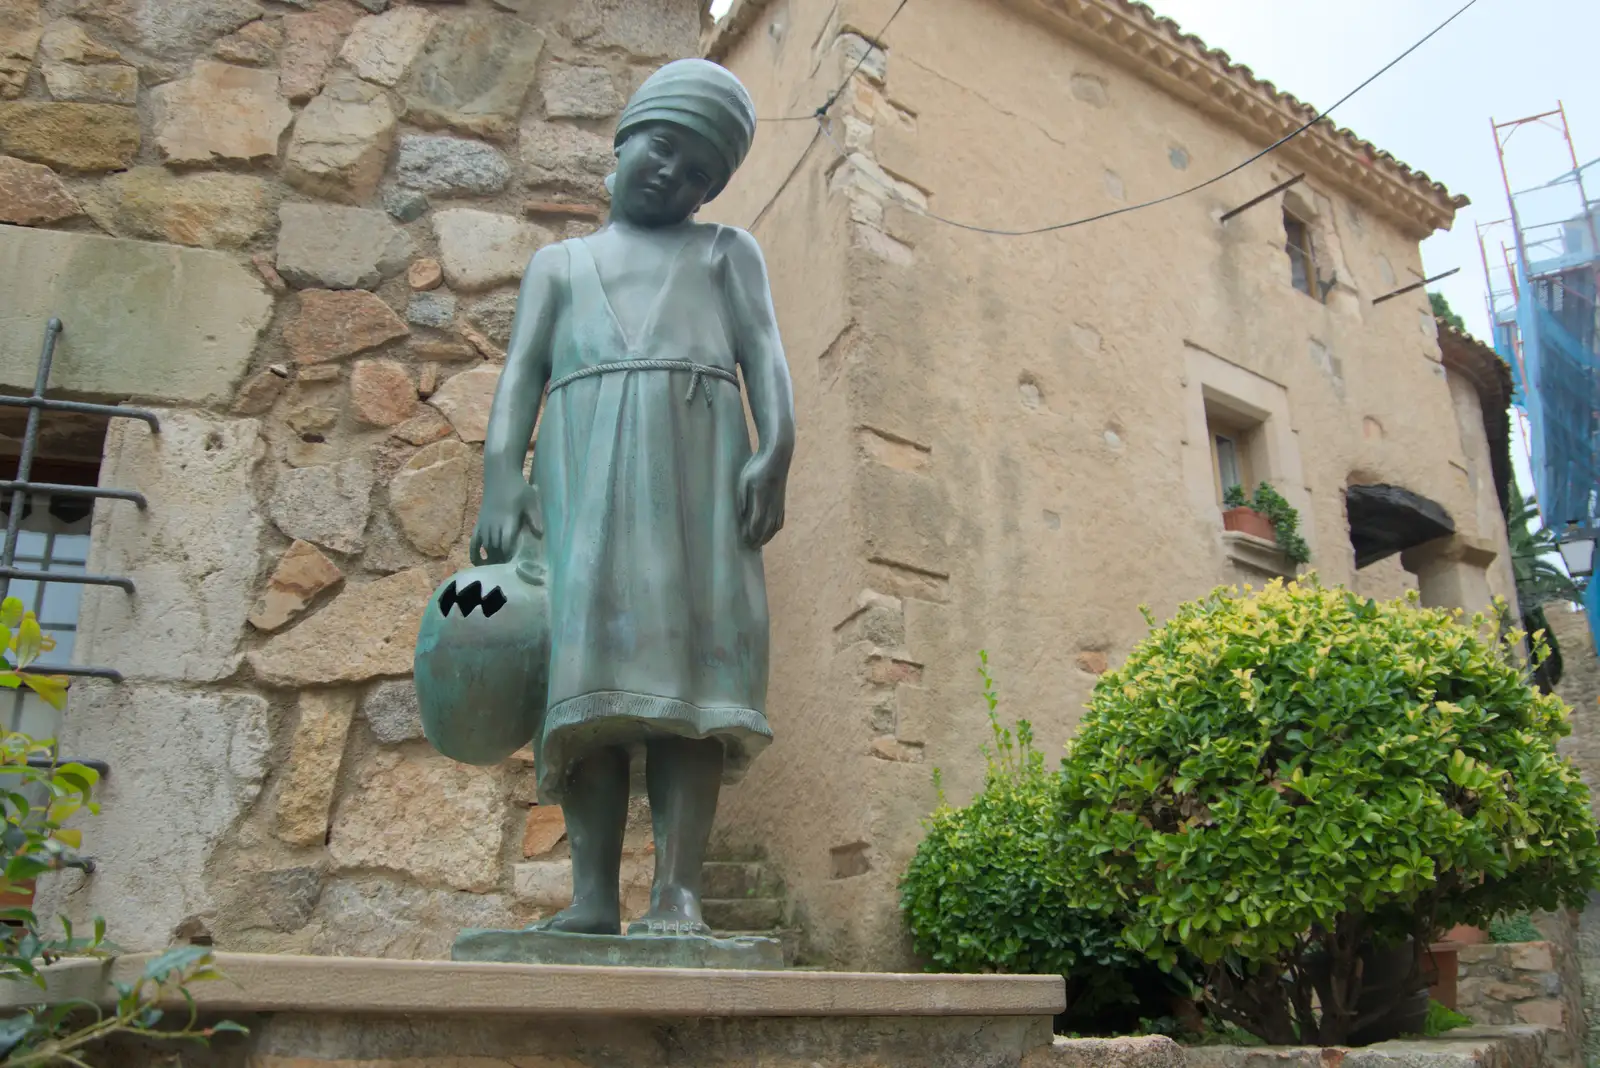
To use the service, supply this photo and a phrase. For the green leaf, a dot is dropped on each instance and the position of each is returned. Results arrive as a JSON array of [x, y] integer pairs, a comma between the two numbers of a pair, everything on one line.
[[13, 1029], [30, 641], [53, 688], [11, 612], [175, 962]]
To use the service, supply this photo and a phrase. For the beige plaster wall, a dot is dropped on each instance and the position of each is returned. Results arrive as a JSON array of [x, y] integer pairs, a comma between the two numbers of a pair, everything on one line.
[[1479, 473], [803, 799], [1025, 410]]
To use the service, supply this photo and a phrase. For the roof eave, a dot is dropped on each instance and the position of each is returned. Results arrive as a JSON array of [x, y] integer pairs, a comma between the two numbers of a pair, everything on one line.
[[1155, 49]]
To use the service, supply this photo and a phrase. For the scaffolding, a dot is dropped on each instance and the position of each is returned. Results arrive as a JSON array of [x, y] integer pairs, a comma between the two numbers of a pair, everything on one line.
[[1541, 265]]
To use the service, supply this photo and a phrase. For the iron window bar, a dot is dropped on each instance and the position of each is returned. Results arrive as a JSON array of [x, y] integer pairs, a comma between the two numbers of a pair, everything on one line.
[[22, 486]]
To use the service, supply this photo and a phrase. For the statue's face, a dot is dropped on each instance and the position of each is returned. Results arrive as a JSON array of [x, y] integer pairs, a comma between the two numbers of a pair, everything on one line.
[[664, 174]]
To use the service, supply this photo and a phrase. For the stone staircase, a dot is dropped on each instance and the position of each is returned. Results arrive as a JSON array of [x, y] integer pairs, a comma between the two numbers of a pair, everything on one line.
[[743, 897]]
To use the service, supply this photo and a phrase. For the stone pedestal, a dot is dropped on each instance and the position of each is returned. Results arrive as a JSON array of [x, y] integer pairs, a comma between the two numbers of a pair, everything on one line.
[[307, 1012], [626, 951]]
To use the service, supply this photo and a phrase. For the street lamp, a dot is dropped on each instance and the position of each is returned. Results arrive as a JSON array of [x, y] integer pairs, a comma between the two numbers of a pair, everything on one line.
[[1577, 552]]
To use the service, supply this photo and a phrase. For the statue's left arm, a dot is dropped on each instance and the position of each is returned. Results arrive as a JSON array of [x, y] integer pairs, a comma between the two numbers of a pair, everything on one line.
[[764, 480]]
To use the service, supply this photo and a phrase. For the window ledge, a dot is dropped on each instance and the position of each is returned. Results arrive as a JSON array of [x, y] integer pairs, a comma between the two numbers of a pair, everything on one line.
[[1257, 554]]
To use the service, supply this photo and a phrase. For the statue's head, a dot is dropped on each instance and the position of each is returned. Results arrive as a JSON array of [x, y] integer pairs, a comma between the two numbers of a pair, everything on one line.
[[678, 142]]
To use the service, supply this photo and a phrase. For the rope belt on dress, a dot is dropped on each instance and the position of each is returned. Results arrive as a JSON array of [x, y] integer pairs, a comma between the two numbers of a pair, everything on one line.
[[699, 370]]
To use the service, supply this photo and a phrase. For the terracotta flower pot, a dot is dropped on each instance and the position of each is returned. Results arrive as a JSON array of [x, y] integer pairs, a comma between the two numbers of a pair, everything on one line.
[[1248, 521], [1466, 936]]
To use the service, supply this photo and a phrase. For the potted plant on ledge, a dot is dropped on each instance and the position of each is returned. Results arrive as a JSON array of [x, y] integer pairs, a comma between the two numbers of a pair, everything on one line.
[[1266, 515]]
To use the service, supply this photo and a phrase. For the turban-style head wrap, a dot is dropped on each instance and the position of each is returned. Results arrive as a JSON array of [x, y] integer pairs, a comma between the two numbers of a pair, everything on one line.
[[697, 95]]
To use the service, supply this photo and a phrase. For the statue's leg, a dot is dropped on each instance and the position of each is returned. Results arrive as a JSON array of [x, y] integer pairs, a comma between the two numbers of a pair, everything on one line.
[[684, 777], [596, 811]]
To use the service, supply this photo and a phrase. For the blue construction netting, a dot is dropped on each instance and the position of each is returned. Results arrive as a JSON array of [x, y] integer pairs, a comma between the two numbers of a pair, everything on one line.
[[1557, 377], [1550, 339]]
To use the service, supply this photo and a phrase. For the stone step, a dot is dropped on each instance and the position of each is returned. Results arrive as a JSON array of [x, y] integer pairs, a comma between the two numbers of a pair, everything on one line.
[[742, 914], [736, 879]]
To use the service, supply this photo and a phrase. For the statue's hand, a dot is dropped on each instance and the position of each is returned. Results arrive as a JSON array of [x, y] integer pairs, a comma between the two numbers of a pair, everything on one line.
[[762, 485], [509, 505]]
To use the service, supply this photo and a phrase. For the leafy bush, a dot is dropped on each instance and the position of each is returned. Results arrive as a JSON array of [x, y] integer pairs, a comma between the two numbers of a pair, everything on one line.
[[36, 841], [1274, 781], [1516, 927], [1442, 1018], [991, 890]]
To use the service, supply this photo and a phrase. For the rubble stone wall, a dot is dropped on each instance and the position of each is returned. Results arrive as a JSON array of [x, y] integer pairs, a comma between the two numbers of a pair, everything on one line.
[[295, 229], [1525, 983]]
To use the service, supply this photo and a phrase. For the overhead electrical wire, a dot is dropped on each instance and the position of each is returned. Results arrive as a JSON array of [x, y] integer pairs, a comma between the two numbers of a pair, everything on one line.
[[833, 97], [821, 115]]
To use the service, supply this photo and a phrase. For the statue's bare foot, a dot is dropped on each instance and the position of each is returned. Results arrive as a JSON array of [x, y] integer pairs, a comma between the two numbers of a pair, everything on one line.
[[583, 919], [676, 912]]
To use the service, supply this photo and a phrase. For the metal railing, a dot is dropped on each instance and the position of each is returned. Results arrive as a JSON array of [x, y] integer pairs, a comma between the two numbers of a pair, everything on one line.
[[37, 403]]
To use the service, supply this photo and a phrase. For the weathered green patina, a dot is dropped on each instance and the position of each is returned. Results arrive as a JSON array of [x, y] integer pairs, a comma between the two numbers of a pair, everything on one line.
[[483, 656], [651, 510]]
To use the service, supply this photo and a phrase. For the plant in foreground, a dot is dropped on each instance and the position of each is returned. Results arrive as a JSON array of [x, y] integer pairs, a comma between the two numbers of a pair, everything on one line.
[[57, 1034], [40, 795], [1276, 782]]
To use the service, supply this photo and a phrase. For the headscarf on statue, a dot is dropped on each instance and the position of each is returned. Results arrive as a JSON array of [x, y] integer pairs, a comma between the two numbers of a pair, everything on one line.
[[701, 96]]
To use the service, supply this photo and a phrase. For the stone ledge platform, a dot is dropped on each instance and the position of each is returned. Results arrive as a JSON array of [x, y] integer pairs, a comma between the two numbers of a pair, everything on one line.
[[349, 1012], [345, 1012], [346, 985]]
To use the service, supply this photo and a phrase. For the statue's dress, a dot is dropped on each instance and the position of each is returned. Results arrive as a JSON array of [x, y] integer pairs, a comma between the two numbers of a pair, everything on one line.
[[658, 608]]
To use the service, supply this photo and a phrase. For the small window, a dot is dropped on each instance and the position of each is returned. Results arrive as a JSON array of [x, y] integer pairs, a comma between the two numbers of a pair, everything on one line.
[[54, 537], [1235, 440], [1228, 471], [1302, 258]]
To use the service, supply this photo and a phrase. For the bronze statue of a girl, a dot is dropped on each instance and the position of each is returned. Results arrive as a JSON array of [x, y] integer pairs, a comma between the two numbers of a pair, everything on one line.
[[650, 502]]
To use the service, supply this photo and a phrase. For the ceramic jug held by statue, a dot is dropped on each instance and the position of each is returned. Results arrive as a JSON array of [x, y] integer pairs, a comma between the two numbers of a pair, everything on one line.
[[483, 656]]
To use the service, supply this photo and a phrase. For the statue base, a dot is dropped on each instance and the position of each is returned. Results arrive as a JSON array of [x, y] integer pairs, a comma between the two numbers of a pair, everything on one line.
[[742, 953]]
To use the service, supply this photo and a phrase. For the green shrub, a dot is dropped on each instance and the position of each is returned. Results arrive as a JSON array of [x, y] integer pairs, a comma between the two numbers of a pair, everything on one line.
[[991, 890], [1273, 781], [1514, 927], [1442, 1018]]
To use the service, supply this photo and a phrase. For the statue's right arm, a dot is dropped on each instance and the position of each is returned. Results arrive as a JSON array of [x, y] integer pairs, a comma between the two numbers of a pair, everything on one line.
[[507, 499], [527, 369]]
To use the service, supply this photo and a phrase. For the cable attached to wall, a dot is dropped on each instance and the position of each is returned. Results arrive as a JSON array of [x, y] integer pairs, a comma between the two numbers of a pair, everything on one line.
[[833, 97], [821, 116]]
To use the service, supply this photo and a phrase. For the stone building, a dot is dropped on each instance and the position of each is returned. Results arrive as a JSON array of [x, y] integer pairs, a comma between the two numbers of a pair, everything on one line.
[[1011, 443], [292, 231]]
